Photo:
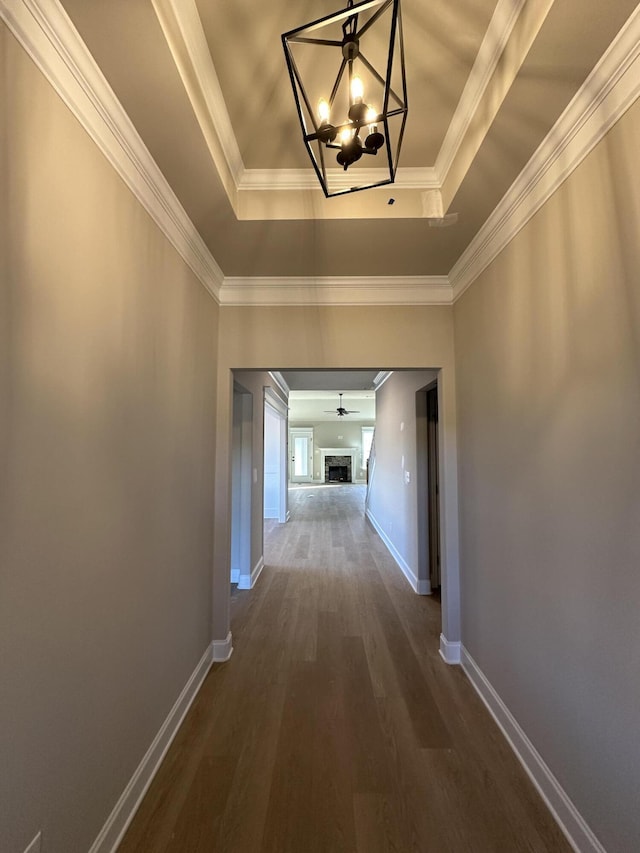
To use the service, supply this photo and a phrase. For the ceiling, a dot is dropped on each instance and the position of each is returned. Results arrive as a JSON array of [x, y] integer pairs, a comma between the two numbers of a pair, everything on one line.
[[205, 85], [313, 407], [314, 394]]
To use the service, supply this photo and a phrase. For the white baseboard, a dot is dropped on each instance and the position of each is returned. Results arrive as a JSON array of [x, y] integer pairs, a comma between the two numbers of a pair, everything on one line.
[[114, 829], [568, 818], [222, 649], [235, 575], [419, 586], [450, 650], [249, 581]]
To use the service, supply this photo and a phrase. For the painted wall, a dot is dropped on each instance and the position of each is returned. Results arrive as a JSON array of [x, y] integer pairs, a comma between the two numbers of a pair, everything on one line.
[[393, 487], [548, 370], [341, 433], [107, 412]]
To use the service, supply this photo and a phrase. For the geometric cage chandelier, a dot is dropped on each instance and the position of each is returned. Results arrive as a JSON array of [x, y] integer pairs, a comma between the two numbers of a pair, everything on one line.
[[349, 84]]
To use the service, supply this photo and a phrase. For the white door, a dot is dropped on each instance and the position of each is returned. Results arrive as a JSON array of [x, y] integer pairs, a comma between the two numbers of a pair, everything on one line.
[[275, 456], [301, 455]]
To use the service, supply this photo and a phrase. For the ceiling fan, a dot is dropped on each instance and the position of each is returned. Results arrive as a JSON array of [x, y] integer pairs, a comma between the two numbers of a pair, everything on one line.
[[341, 411]]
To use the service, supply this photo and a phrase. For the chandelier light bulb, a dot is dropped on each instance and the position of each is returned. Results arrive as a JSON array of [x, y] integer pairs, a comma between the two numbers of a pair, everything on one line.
[[371, 115], [357, 90], [323, 111], [346, 135]]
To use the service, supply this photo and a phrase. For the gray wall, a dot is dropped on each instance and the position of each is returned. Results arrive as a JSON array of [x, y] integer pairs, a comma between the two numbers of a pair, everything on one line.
[[339, 433], [393, 502], [107, 382], [548, 370]]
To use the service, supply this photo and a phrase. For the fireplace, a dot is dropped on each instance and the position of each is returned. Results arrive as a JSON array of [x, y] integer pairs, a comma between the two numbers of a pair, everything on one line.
[[338, 474], [337, 469]]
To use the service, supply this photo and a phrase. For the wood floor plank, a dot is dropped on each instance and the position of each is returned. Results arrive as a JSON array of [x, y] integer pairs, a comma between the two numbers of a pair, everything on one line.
[[291, 810], [376, 819], [336, 727], [198, 823]]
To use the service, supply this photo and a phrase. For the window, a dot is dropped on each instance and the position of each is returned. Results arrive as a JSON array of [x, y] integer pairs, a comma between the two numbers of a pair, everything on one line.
[[367, 440]]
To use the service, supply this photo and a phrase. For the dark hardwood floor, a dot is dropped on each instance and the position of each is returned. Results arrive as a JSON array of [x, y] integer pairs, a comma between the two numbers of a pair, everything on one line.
[[336, 726]]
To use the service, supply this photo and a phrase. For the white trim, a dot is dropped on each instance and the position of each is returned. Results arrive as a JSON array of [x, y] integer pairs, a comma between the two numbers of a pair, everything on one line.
[[422, 587], [495, 40], [235, 575], [380, 378], [606, 94], [450, 650], [249, 581], [274, 401], [278, 378], [36, 844], [183, 30], [114, 829], [563, 810], [257, 571], [48, 36], [222, 650], [407, 178], [337, 290]]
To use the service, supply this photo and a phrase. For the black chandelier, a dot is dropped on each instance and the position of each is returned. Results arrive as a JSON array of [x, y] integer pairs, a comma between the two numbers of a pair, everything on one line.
[[348, 77]]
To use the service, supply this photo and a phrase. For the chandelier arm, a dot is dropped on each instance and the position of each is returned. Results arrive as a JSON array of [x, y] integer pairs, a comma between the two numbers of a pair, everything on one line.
[[398, 112], [295, 71], [336, 85], [373, 19], [322, 167], [366, 63], [303, 40], [373, 71], [400, 137]]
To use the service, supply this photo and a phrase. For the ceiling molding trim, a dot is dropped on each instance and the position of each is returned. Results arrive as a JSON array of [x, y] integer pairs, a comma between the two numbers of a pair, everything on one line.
[[185, 36], [381, 378], [279, 379], [607, 93], [48, 36], [338, 290], [495, 40], [408, 178]]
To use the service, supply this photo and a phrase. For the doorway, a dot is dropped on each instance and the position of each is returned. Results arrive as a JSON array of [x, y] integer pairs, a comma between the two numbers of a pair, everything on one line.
[[241, 479], [428, 472], [300, 455], [275, 457]]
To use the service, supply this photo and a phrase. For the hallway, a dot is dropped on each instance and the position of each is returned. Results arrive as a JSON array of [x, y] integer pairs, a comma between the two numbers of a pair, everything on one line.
[[336, 726]]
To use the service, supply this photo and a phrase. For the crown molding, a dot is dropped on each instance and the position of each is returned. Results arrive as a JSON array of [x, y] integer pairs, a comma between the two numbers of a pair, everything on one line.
[[495, 40], [48, 36], [607, 93], [337, 290], [50, 39], [407, 178], [185, 36]]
